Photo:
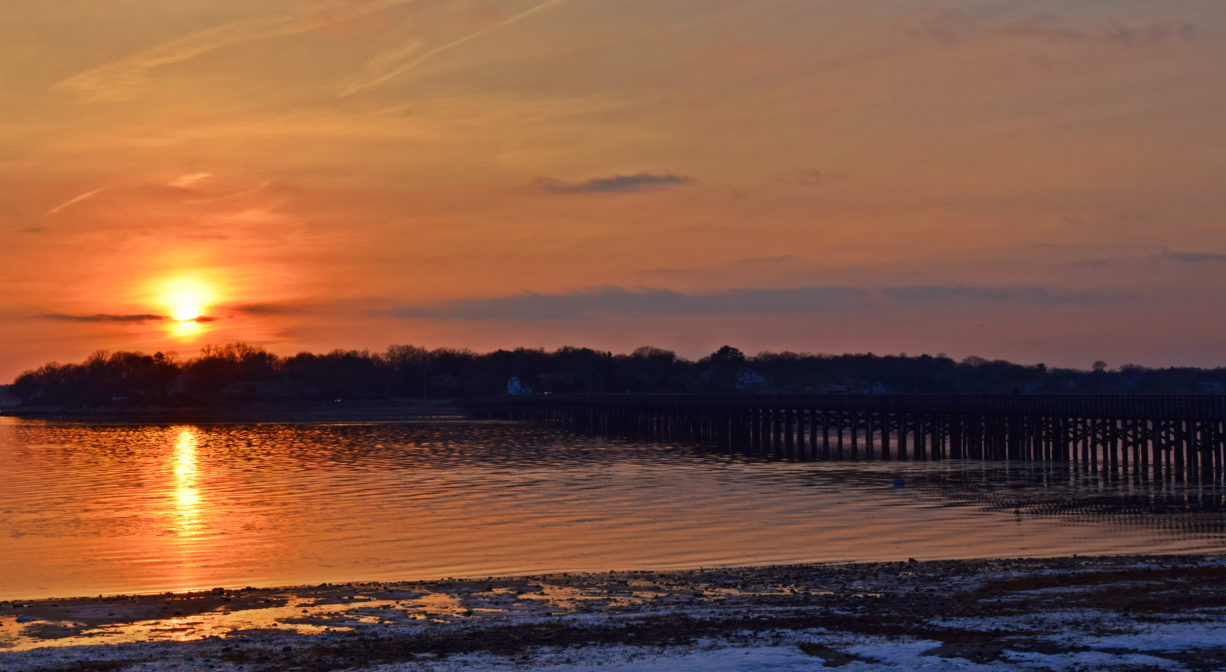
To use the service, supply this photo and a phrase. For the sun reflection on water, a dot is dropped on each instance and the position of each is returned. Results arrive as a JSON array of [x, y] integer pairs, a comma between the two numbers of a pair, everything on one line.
[[186, 489]]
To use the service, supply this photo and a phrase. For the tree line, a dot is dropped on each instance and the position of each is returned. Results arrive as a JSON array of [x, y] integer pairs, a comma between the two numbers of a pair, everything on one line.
[[239, 371]]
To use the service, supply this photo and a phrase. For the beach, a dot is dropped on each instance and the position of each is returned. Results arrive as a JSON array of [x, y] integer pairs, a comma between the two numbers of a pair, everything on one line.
[[1122, 612]]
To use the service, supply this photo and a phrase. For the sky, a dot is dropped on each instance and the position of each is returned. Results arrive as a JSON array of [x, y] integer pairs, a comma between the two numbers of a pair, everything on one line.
[[1037, 181]]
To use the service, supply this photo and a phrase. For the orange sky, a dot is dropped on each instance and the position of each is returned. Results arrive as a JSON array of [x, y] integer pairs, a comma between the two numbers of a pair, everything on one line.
[[1039, 181]]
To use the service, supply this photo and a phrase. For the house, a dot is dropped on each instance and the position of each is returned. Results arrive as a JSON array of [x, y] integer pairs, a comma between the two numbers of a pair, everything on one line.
[[514, 388], [748, 379]]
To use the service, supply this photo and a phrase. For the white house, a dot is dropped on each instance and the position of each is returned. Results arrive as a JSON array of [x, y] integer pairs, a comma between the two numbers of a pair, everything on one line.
[[514, 388]]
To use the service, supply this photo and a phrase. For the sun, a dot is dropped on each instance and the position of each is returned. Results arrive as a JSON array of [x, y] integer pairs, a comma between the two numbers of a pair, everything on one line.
[[187, 312], [186, 300]]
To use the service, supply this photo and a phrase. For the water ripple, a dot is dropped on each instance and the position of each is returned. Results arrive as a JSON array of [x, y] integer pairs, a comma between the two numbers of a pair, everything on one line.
[[90, 509]]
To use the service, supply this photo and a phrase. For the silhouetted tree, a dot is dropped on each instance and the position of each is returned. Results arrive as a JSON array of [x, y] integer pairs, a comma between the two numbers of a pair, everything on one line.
[[405, 370]]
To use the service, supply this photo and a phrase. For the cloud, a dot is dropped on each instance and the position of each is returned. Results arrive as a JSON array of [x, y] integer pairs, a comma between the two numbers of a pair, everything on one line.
[[73, 201], [675, 271], [271, 309], [292, 309], [753, 261], [615, 184], [1153, 33], [396, 62], [1190, 257], [1033, 295], [1040, 27], [131, 318], [951, 27], [531, 305], [1099, 262], [103, 317], [747, 301], [383, 67], [807, 176], [263, 309], [186, 181], [126, 79]]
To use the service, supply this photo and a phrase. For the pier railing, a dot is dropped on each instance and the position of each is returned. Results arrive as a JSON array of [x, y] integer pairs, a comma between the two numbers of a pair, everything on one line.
[[1176, 437]]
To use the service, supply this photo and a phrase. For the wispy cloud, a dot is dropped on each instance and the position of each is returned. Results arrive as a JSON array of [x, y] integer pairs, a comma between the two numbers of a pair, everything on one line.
[[614, 184], [747, 301], [954, 27], [1099, 262], [776, 259], [921, 294], [807, 176], [1190, 257], [293, 309], [135, 317], [1153, 33], [186, 181], [127, 78], [395, 62], [386, 65], [103, 317], [269, 309], [73, 201], [578, 303], [674, 271]]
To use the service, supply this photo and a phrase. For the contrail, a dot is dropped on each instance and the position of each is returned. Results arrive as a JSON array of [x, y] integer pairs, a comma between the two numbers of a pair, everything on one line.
[[396, 72], [125, 79], [73, 201]]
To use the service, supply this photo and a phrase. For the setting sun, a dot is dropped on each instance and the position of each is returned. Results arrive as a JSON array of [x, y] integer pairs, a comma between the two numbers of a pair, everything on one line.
[[185, 300], [187, 312]]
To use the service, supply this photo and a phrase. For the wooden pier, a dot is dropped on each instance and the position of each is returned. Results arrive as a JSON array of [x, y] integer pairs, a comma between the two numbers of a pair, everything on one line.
[[1179, 438]]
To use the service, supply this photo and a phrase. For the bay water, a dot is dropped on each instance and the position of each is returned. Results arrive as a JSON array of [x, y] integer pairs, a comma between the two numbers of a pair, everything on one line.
[[89, 509]]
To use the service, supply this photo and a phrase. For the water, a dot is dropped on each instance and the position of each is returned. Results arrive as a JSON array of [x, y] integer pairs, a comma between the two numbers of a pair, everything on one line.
[[106, 509]]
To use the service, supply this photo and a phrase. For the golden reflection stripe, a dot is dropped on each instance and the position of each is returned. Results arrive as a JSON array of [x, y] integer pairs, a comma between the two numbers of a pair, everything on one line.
[[186, 472]]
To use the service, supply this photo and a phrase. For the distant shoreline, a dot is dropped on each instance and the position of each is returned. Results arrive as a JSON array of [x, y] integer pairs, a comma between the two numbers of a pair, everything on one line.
[[346, 411]]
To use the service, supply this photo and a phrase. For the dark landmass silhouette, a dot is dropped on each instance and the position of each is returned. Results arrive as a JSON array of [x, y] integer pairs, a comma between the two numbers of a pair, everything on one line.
[[242, 373]]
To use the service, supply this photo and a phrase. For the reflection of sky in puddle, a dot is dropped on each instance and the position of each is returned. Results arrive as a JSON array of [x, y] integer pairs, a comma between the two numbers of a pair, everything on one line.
[[297, 615], [572, 598], [348, 608], [331, 612], [219, 623], [436, 605]]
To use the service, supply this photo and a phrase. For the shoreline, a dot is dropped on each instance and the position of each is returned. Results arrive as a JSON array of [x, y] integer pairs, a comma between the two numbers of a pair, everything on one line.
[[1003, 611], [316, 412]]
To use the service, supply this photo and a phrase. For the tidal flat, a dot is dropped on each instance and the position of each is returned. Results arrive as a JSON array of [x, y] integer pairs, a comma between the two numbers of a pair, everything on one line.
[[1119, 612]]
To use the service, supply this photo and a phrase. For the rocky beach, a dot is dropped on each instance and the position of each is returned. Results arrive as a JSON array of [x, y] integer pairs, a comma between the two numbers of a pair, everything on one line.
[[1070, 613]]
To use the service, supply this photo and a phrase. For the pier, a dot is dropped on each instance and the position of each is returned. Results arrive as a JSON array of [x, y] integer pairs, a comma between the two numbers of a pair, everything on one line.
[[1179, 438]]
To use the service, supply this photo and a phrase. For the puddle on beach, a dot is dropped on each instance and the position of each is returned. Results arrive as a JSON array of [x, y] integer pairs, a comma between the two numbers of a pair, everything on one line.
[[290, 614], [15, 636], [309, 611]]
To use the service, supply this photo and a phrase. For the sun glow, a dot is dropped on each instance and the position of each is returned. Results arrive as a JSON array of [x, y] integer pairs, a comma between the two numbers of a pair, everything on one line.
[[186, 299], [187, 312]]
